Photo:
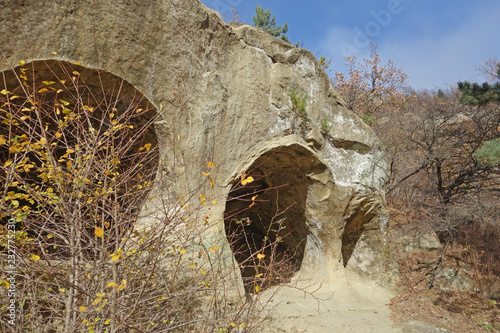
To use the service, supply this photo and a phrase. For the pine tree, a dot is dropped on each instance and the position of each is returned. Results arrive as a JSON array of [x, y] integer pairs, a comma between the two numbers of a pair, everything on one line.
[[264, 21], [480, 94]]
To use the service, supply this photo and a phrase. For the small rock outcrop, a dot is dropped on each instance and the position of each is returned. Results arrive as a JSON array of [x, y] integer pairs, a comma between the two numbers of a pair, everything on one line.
[[223, 95]]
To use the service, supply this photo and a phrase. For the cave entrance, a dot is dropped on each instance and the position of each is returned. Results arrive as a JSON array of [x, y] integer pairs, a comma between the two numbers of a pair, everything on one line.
[[265, 219], [88, 141]]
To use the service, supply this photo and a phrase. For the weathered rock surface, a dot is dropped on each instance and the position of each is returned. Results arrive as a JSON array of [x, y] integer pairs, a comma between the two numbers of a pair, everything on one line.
[[223, 94], [428, 241]]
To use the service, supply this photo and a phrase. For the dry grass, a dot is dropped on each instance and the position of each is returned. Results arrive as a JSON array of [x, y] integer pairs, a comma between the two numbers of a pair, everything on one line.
[[445, 305]]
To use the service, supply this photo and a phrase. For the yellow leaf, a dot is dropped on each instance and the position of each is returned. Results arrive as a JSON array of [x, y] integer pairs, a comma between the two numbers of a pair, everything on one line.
[[261, 256], [54, 52], [69, 151], [202, 199], [248, 180], [257, 289], [213, 248], [182, 251], [5, 284], [34, 257], [117, 255], [205, 174], [2, 140], [82, 308], [212, 182], [22, 62], [111, 284], [76, 73], [259, 275], [233, 324], [106, 223], [42, 141], [77, 63], [96, 301], [214, 202], [210, 165], [107, 322], [253, 201], [4, 92], [99, 232], [43, 90], [122, 285]]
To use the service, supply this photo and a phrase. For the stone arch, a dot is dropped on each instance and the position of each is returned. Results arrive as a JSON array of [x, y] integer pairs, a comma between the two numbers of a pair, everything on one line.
[[272, 207], [46, 93], [59, 80], [97, 85]]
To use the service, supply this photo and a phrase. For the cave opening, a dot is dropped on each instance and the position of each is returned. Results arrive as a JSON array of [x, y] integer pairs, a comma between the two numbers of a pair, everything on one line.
[[83, 153], [265, 220]]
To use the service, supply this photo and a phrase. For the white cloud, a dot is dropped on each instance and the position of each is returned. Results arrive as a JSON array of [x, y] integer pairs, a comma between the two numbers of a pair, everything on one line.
[[431, 61]]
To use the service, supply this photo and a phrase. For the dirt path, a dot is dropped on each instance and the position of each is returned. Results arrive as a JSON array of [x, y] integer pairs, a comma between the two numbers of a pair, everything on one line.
[[342, 306]]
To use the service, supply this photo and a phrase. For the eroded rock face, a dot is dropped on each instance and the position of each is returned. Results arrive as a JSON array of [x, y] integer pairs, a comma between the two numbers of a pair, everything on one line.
[[224, 96]]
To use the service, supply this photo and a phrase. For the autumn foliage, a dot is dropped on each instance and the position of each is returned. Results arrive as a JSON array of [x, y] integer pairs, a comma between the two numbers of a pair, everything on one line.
[[445, 175]]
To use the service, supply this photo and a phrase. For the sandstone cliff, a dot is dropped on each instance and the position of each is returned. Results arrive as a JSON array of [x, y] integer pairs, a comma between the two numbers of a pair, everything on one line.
[[223, 95]]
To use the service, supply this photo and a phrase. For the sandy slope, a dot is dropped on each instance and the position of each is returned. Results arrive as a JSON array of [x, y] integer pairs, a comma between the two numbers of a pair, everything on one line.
[[338, 306]]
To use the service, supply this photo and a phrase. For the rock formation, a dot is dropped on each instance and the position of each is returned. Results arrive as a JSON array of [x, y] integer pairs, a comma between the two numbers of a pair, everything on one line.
[[223, 95]]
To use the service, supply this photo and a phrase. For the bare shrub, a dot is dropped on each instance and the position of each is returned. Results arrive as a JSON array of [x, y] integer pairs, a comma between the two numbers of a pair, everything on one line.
[[79, 161], [235, 19]]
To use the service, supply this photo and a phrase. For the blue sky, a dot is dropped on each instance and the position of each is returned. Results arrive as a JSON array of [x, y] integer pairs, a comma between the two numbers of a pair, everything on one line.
[[436, 42]]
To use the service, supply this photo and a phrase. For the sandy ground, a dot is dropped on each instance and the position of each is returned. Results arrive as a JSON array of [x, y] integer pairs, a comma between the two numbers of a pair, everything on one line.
[[339, 306]]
